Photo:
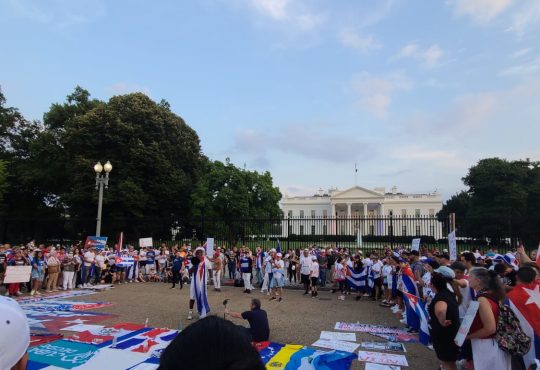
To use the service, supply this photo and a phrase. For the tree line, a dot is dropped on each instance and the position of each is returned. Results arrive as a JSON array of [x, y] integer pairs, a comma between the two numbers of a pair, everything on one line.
[[501, 202], [161, 179]]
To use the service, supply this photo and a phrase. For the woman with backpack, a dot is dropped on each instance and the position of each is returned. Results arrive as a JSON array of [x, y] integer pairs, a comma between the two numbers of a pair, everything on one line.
[[487, 355]]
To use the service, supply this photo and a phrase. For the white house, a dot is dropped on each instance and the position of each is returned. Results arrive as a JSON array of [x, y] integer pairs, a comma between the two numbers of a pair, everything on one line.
[[364, 209]]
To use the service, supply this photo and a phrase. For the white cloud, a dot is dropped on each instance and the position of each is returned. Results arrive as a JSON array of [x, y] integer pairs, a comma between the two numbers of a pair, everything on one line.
[[520, 53], [526, 68], [417, 153], [376, 92], [482, 11], [527, 16], [355, 40], [428, 57], [120, 88], [289, 12]]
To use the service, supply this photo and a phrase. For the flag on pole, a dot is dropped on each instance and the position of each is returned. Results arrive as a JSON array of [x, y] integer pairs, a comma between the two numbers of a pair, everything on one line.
[[278, 248], [359, 238], [418, 315], [120, 243]]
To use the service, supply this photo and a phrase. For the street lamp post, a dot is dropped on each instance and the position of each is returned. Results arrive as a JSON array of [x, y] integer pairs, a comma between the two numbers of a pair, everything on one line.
[[101, 181]]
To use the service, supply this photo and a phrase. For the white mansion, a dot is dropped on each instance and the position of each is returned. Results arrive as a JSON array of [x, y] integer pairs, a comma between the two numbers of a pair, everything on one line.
[[366, 210]]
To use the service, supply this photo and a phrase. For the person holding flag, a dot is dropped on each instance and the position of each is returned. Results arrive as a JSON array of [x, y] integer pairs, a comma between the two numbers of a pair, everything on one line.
[[197, 289]]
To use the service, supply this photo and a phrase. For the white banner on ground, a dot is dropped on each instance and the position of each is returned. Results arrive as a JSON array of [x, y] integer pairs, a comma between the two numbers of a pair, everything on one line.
[[332, 335], [17, 274], [466, 323], [452, 246], [83, 327], [210, 247], [145, 242], [339, 345], [372, 366], [415, 245], [382, 358]]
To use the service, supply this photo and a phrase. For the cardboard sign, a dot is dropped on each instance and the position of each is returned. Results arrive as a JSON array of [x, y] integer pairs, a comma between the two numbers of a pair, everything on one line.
[[98, 242], [384, 346], [452, 245], [415, 245], [466, 323], [17, 274], [372, 366], [382, 358], [63, 353], [145, 242]]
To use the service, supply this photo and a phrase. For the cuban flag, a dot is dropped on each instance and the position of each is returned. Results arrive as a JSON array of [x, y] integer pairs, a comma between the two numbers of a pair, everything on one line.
[[199, 289], [356, 279], [524, 300], [409, 281], [419, 313], [278, 248]]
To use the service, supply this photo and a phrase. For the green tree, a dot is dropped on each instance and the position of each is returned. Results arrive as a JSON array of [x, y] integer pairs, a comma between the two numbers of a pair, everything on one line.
[[3, 181], [226, 196], [459, 204]]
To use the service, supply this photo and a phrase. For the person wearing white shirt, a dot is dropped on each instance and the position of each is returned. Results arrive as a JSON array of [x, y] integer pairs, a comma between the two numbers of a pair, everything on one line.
[[387, 282], [305, 269], [99, 266], [278, 277], [314, 276], [88, 260], [376, 267], [268, 259]]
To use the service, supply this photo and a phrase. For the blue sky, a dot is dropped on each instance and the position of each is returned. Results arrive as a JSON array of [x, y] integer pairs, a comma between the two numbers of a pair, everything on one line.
[[415, 92]]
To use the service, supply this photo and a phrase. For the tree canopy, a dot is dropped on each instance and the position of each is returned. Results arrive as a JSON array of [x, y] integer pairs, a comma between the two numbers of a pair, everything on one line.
[[160, 177]]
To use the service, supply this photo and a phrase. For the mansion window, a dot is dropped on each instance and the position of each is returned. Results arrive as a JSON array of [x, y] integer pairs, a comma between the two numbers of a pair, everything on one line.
[[290, 229], [404, 230], [432, 230], [312, 229], [301, 213], [417, 230], [390, 212], [431, 213], [325, 213], [301, 229], [404, 212], [325, 229], [312, 213], [289, 214], [417, 212]]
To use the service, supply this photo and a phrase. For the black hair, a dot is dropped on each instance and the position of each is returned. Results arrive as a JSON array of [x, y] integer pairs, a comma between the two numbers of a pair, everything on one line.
[[469, 257], [256, 302], [460, 266], [499, 268], [439, 282], [230, 349], [526, 274], [434, 264], [415, 253], [445, 256]]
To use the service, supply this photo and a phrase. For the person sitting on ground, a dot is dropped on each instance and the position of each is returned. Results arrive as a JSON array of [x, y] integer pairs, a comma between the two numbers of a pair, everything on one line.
[[230, 349], [259, 329]]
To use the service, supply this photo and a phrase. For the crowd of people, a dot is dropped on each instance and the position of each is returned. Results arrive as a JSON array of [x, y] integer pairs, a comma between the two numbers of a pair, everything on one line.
[[447, 286]]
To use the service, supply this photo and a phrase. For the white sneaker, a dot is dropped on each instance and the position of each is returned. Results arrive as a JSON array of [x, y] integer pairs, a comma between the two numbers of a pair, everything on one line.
[[190, 315], [32, 292], [7, 294], [19, 294], [395, 307], [38, 292], [403, 321]]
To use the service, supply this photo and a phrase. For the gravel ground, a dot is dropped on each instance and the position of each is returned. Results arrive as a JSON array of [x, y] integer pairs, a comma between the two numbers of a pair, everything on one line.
[[298, 319]]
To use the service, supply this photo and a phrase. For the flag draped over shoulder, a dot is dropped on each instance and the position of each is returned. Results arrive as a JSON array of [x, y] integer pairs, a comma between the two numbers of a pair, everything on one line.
[[409, 281], [524, 300], [418, 316], [199, 286]]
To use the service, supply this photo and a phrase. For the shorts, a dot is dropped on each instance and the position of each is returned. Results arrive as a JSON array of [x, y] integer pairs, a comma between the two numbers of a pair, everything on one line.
[[377, 282], [314, 281], [304, 279], [277, 282]]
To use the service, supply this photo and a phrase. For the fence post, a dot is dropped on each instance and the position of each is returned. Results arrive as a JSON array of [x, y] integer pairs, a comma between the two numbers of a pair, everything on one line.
[[288, 231]]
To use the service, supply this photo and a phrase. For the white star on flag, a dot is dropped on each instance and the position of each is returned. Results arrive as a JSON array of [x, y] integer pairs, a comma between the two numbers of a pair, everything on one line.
[[534, 295]]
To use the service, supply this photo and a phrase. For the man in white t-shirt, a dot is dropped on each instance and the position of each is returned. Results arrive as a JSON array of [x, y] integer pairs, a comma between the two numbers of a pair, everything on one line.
[[88, 260], [377, 267], [99, 266], [305, 269]]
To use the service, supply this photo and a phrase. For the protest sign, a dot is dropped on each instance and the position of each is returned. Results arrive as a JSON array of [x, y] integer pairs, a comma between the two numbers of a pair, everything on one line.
[[62, 353], [400, 337], [372, 366], [466, 323], [145, 242], [384, 346], [98, 242], [124, 261], [382, 358], [210, 246], [368, 328], [415, 246], [339, 345], [17, 274], [452, 246], [332, 335]]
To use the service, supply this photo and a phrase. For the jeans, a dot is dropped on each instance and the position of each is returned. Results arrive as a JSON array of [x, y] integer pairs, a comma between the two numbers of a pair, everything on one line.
[[97, 275], [85, 271], [232, 269], [258, 276], [322, 276]]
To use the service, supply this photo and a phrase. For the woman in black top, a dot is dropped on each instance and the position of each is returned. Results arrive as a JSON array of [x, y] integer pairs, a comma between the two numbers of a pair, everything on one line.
[[444, 320]]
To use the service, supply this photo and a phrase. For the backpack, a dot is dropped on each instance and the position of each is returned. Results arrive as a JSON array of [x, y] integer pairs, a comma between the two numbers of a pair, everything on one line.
[[509, 335]]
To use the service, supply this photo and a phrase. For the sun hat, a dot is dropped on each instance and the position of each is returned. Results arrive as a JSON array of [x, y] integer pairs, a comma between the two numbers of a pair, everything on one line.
[[15, 333]]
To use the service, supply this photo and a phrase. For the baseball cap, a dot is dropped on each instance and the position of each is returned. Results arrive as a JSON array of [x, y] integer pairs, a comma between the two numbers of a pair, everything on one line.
[[15, 333], [314, 258], [447, 272]]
